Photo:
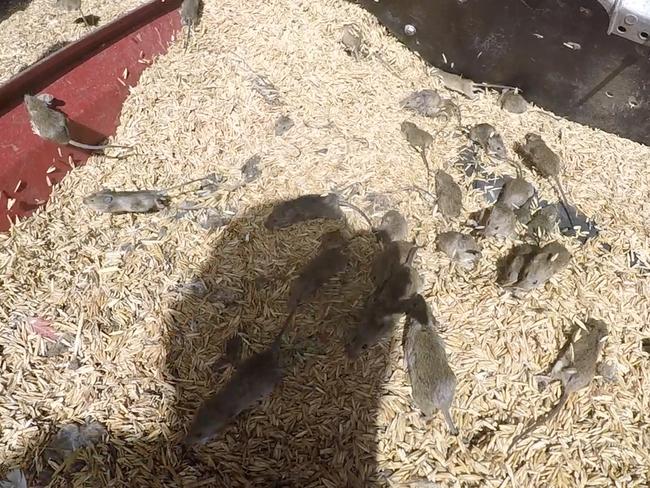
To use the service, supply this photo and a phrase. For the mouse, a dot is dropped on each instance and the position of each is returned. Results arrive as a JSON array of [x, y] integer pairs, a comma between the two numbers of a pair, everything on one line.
[[331, 259], [385, 306], [72, 5], [420, 140], [254, 379], [450, 196], [395, 253], [515, 193], [514, 263], [512, 101], [393, 227], [464, 86], [190, 15], [433, 383], [303, 208], [543, 221], [52, 125], [549, 260], [133, 201], [501, 222], [352, 40], [459, 247], [427, 103], [575, 368], [537, 154], [487, 137]]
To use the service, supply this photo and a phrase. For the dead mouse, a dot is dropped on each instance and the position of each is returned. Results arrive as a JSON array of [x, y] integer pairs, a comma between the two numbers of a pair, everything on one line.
[[460, 247], [255, 378], [331, 259], [52, 125], [420, 140], [190, 15], [394, 254], [433, 383], [72, 5], [393, 227], [515, 193], [551, 259], [486, 136], [575, 368], [450, 197], [501, 222], [136, 201], [463, 85], [423, 102], [537, 154]]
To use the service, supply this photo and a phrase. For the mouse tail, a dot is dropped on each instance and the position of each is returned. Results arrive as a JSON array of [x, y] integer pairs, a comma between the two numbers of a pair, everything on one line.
[[83, 17], [565, 202], [540, 420], [92, 147], [187, 37], [358, 210], [426, 165]]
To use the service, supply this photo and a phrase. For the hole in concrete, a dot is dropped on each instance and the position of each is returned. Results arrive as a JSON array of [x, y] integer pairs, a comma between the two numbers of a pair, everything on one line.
[[621, 29], [643, 35], [609, 94]]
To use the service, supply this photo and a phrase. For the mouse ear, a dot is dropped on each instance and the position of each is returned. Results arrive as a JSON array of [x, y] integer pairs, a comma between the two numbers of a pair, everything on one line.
[[107, 199], [554, 256]]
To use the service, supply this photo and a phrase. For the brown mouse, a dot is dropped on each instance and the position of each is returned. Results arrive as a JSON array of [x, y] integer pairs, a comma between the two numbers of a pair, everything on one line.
[[549, 260], [512, 101], [303, 208], [543, 221], [190, 15], [450, 196], [514, 263], [516, 192], [385, 307], [545, 161], [420, 140], [423, 102], [255, 378], [433, 383], [575, 368], [501, 222], [135, 201], [394, 254], [331, 259], [52, 125], [486, 136], [460, 247], [393, 227], [352, 39], [231, 354]]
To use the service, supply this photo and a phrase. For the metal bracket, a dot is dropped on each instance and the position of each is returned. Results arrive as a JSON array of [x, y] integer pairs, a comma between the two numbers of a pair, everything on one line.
[[629, 19]]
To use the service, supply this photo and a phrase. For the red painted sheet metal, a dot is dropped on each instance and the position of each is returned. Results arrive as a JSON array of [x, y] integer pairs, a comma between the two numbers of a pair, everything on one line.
[[88, 77]]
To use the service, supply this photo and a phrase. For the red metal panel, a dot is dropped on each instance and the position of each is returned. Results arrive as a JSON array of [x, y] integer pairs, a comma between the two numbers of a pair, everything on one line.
[[88, 76]]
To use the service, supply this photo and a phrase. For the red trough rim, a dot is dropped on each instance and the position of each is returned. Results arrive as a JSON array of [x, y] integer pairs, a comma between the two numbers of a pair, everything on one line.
[[92, 78]]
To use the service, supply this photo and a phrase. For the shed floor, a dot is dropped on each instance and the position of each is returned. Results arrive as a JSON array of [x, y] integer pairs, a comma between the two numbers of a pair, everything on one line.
[[147, 301]]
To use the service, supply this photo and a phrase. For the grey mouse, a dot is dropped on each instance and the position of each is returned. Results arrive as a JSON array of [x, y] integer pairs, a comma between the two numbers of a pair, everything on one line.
[[135, 201], [393, 227], [52, 125], [420, 140], [575, 368], [514, 264], [543, 221], [512, 101], [394, 254], [331, 259], [545, 161], [427, 103], [516, 192], [551, 259], [433, 383], [501, 222], [460, 247], [304, 208], [486, 136], [450, 197], [255, 378]]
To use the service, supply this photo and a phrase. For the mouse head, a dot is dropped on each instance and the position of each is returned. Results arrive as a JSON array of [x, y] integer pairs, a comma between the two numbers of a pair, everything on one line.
[[209, 420], [496, 147], [598, 328], [335, 239], [407, 126], [100, 201], [369, 332], [532, 138], [540, 269], [418, 309], [500, 222]]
